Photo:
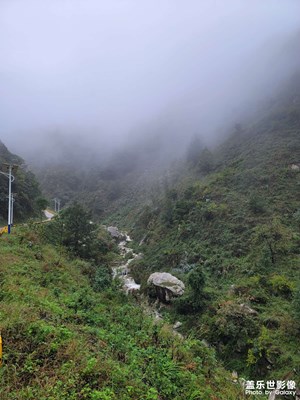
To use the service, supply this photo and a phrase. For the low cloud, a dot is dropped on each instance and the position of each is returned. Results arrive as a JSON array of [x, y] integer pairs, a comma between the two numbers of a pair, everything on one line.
[[118, 71]]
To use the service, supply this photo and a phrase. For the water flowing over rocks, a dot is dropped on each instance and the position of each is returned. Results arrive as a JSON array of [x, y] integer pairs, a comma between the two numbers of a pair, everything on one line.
[[169, 287], [177, 325], [123, 271]]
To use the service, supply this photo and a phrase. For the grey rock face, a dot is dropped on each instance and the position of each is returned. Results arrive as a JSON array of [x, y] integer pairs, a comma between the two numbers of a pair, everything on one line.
[[115, 233]]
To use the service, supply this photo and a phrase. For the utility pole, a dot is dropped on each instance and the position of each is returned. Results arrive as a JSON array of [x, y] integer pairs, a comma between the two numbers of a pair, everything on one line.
[[56, 204], [9, 197], [8, 169]]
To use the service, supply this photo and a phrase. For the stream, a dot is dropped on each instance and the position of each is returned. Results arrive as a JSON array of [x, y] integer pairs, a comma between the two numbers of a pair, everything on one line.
[[123, 271], [129, 285]]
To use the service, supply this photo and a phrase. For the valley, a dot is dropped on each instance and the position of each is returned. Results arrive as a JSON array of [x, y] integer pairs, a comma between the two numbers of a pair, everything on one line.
[[150, 200]]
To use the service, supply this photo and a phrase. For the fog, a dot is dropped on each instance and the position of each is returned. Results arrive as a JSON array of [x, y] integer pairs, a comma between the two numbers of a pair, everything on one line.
[[105, 74]]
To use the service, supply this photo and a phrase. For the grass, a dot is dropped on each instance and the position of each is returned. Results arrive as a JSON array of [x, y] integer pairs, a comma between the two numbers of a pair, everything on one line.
[[63, 340]]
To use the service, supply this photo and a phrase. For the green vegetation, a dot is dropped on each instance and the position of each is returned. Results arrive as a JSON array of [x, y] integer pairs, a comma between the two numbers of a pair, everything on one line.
[[65, 338], [28, 196], [235, 226]]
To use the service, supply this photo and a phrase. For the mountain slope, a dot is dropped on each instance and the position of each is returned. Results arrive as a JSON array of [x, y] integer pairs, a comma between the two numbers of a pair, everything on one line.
[[25, 186], [64, 340], [234, 216]]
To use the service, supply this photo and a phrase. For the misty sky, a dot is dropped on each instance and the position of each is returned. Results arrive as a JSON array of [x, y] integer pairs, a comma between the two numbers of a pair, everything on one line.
[[112, 69]]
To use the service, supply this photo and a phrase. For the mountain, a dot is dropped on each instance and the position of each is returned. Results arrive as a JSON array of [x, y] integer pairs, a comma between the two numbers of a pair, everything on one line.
[[225, 220], [232, 220]]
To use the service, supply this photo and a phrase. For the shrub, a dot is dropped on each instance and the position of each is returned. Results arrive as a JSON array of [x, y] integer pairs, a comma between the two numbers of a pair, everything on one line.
[[102, 279], [296, 304], [281, 286], [257, 204]]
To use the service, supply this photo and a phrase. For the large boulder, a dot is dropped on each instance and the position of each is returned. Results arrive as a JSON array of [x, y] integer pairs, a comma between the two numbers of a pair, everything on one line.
[[115, 233], [166, 285]]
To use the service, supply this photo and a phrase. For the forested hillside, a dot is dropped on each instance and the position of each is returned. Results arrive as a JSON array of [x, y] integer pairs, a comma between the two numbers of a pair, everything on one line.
[[25, 187], [230, 229], [107, 184]]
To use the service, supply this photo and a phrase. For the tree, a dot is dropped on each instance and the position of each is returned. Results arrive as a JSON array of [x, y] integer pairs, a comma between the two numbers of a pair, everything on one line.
[[195, 299], [296, 304], [41, 204], [275, 237], [77, 230], [196, 280]]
